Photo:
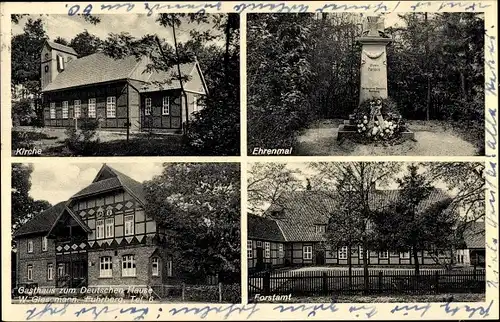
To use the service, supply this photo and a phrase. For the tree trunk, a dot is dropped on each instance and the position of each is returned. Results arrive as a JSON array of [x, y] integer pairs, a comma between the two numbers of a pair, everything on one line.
[[462, 85], [349, 261], [366, 277], [180, 78]]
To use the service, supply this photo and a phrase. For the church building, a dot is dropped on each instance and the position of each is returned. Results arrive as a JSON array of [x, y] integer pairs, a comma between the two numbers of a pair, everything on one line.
[[119, 93], [100, 237]]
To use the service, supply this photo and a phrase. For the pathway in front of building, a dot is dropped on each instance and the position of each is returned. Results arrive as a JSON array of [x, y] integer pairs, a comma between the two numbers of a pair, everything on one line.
[[321, 139]]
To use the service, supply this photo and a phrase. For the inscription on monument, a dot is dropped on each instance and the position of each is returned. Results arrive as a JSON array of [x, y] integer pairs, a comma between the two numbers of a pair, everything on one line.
[[374, 68]]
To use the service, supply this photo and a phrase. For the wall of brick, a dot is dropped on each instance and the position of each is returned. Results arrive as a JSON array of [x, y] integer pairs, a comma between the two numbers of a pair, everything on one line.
[[38, 259]]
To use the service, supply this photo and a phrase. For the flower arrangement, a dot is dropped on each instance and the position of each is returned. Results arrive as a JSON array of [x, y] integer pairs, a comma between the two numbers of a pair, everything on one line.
[[378, 119]]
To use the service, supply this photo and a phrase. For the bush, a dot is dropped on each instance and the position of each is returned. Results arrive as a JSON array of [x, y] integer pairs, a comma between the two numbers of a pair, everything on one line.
[[83, 141]]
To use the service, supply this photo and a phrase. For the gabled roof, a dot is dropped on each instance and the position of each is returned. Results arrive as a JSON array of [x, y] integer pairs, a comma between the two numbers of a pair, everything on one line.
[[59, 47], [263, 228], [78, 220], [108, 179], [474, 235], [101, 68], [42, 222], [298, 213]]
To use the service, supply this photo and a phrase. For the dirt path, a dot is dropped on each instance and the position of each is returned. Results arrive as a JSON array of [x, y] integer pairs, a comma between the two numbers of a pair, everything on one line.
[[321, 139]]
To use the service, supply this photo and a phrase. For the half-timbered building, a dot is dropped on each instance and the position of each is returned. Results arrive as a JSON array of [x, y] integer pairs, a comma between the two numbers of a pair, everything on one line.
[[100, 237], [299, 219], [119, 93]]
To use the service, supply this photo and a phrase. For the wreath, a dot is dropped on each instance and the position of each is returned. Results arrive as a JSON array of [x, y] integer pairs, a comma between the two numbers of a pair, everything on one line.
[[378, 119]]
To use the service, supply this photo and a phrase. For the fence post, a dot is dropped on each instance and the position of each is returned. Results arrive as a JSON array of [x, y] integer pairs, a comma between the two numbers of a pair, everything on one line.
[[266, 283], [325, 283], [474, 271], [183, 291], [437, 282], [220, 292], [380, 281]]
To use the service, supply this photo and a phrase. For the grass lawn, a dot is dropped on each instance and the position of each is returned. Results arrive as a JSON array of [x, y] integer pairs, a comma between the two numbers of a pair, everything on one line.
[[51, 143]]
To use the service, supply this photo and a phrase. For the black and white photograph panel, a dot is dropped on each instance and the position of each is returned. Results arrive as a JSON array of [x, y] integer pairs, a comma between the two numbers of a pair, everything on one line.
[[108, 233], [125, 85], [364, 232], [366, 84]]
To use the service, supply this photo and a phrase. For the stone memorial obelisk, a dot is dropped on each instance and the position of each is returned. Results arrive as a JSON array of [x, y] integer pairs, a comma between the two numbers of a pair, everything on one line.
[[373, 72]]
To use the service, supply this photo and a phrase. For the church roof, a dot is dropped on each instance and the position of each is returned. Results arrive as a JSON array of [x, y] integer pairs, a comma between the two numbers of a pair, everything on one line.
[[298, 213], [59, 47], [101, 68], [42, 222]]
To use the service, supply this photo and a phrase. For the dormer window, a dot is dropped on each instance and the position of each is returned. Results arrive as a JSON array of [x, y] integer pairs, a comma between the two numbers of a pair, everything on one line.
[[320, 229]]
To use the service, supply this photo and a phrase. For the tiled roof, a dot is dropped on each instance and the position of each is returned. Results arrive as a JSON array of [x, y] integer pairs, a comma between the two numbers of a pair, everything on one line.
[[263, 228], [92, 69], [119, 180], [474, 235], [158, 80], [42, 222], [298, 213], [100, 68], [62, 48]]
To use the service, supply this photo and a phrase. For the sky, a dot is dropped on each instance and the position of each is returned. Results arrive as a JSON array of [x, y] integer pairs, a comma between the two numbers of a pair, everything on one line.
[[136, 24], [56, 184]]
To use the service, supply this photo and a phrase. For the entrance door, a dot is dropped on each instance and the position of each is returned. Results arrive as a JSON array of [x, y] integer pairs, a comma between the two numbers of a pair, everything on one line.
[[320, 257], [260, 259]]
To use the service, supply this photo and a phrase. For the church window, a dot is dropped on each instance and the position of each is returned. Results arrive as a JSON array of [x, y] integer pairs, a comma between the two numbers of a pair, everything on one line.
[[65, 109], [128, 266], [165, 110], [147, 107], [77, 108], [110, 227], [91, 108], [111, 107], [129, 225], [53, 110], [100, 229], [105, 267]]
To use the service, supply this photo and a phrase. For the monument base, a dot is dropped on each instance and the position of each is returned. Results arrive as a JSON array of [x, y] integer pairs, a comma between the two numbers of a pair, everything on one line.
[[349, 130]]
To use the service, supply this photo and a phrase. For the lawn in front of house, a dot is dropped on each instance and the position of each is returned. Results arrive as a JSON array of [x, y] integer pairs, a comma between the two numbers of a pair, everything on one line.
[[51, 143]]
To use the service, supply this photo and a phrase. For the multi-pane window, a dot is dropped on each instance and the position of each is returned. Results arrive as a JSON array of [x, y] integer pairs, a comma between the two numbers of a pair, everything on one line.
[[155, 266], [147, 106], [308, 252], [404, 255], [343, 252], [50, 272], [30, 272], [111, 107], [44, 244], [53, 110], [105, 267], [92, 108], [384, 254], [128, 265], [110, 227], [259, 243], [249, 249], [361, 252], [60, 270], [78, 109], [129, 225], [165, 107], [280, 251], [100, 229], [320, 229], [30, 246], [65, 110], [267, 249], [169, 268]]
